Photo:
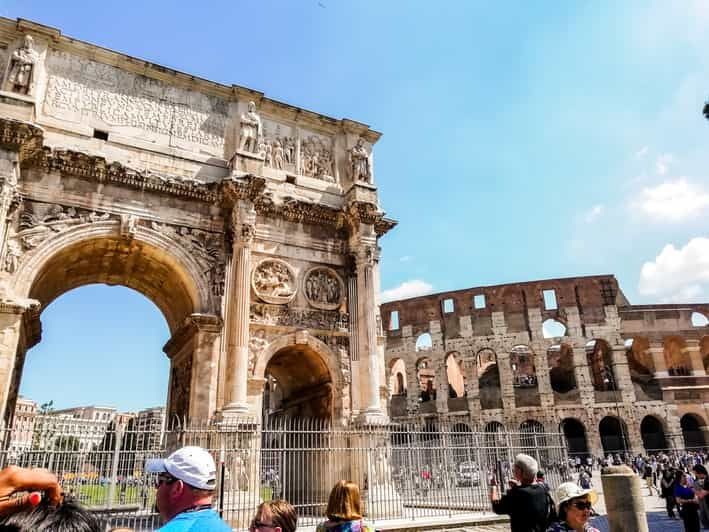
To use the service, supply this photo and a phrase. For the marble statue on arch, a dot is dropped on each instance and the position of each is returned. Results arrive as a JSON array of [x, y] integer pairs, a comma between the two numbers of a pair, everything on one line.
[[22, 63], [251, 130]]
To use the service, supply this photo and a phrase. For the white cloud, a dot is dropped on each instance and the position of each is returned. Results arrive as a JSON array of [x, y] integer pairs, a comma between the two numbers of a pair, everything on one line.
[[593, 213], [673, 201], [642, 152], [677, 275], [407, 289], [662, 163]]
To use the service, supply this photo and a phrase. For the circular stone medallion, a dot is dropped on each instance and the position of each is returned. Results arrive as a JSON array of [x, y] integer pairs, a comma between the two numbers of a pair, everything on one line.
[[323, 288], [273, 281]]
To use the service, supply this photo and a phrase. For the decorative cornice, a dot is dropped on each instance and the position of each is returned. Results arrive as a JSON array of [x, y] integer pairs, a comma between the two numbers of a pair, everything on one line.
[[94, 167], [228, 192], [248, 187], [21, 137]]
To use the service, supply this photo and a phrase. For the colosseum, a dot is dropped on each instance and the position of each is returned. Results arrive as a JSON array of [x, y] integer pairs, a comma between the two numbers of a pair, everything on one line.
[[569, 355]]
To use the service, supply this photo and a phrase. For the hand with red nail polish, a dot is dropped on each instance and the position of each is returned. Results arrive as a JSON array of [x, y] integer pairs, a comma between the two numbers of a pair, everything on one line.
[[34, 481]]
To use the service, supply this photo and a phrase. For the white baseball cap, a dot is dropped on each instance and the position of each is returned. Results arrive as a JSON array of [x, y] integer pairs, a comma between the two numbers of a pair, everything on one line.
[[192, 465]]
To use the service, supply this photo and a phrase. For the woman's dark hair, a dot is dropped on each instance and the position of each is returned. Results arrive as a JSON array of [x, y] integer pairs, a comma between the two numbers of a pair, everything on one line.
[[699, 468], [67, 517], [562, 511]]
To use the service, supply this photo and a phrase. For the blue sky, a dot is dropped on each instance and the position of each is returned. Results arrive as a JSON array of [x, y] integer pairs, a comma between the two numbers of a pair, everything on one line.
[[522, 140]]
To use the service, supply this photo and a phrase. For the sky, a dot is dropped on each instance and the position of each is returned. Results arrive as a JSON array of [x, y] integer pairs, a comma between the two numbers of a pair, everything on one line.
[[521, 140]]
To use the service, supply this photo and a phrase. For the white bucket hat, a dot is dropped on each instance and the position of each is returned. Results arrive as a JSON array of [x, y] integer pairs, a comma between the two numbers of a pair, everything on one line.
[[571, 490], [192, 465]]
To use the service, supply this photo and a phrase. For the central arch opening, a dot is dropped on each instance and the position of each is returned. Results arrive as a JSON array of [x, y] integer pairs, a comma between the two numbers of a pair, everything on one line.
[[298, 385], [297, 412]]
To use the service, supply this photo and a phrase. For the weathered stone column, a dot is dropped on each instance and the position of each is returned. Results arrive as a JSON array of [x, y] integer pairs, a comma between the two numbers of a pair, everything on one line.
[[624, 501], [12, 310], [366, 257], [624, 383], [194, 354], [237, 306], [658, 359], [506, 383], [694, 354]]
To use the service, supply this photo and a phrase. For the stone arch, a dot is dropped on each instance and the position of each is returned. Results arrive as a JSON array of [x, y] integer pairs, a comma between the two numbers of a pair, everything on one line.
[[524, 376], [455, 374], [560, 358], [676, 356], [533, 439], [305, 371], [424, 342], [426, 377], [488, 379], [553, 328], [148, 251], [398, 388], [153, 264], [693, 430], [575, 435], [642, 369], [397, 377], [600, 361], [613, 433], [652, 432]]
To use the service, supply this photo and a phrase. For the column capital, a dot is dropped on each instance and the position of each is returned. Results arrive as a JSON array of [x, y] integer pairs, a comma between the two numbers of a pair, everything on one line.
[[193, 324], [242, 223], [22, 137], [13, 304]]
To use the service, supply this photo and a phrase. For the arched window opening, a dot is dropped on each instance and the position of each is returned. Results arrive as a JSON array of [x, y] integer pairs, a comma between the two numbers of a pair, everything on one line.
[[642, 369], [613, 434], [693, 431], [424, 342], [553, 329], [653, 434], [600, 362], [489, 380], [524, 375], [397, 378], [426, 375], [560, 359], [456, 377], [575, 435], [677, 357], [699, 320]]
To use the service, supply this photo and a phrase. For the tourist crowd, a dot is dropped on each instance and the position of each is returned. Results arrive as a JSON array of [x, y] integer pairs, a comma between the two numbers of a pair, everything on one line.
[[31, 500]]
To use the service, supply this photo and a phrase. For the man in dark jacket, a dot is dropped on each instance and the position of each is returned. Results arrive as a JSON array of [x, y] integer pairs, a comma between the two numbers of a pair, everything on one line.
[[526, 502]]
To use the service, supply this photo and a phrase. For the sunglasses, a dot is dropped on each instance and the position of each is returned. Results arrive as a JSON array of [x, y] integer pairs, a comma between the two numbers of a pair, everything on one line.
[[164, 479], [581, 505]]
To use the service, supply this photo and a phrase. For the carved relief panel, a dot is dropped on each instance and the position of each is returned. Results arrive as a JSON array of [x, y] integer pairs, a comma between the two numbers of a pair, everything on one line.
[[317, 156], [323, 288], [274, 281], [278, 146], [78, 89]]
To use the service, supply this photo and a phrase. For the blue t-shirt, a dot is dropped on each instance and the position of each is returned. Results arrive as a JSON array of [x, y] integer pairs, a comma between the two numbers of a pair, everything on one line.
[[202, 521]]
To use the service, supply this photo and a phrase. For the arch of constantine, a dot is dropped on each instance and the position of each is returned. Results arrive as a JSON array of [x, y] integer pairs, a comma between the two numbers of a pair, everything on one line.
[[253, 225]]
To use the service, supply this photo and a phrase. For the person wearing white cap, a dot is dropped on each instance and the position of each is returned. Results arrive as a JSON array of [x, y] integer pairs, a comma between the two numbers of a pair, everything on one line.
[[185, 485], [574, 508]]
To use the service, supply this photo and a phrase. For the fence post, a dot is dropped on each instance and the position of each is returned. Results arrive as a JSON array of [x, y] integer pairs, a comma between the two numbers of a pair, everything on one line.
[[624, 502], [114, 466]]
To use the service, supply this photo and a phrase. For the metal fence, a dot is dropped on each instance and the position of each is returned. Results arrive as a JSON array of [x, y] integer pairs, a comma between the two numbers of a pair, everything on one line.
[[410, 469]]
